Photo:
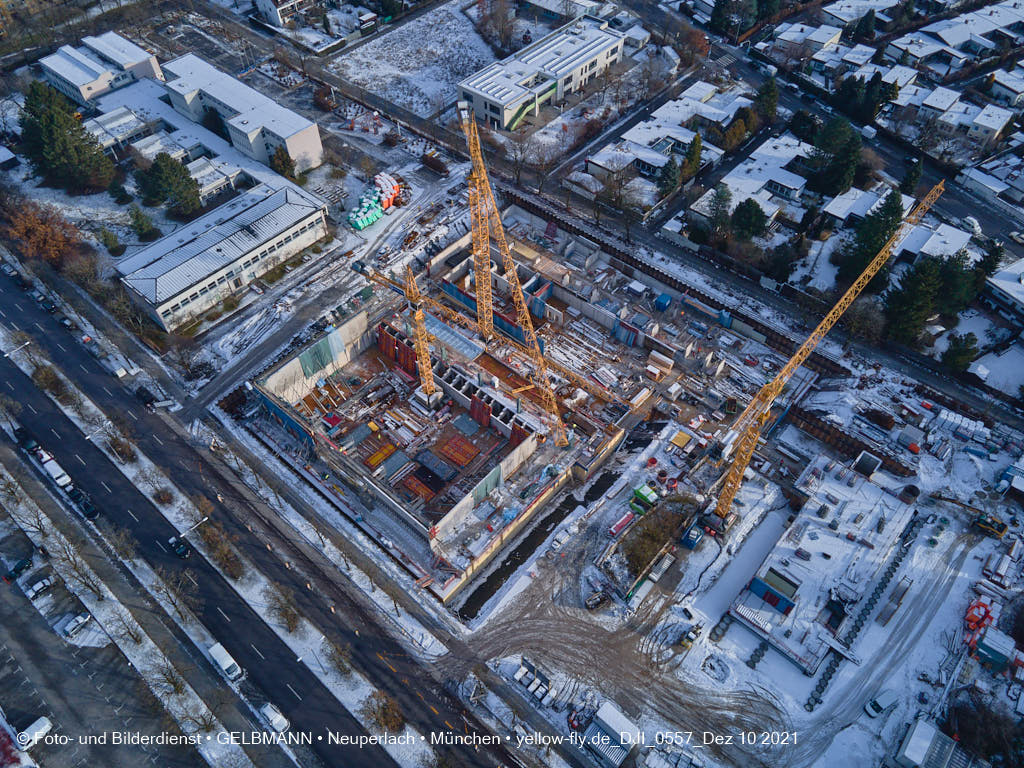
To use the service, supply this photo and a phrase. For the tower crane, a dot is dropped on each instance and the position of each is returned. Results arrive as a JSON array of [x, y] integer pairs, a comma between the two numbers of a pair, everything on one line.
[[747, 430], [486, 224], [419, 334]]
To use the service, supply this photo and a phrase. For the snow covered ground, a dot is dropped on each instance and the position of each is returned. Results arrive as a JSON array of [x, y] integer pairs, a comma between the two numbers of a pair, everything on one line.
[[971, 321], [817, 269], [418, 64], [1006, 369]]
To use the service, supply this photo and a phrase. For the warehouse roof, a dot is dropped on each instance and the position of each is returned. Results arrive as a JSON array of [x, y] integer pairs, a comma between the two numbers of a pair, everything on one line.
[[74, 65], [180, 260], [114, 48]]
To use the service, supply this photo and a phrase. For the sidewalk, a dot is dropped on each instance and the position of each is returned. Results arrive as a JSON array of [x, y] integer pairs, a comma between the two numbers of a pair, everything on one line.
[[193, 666]]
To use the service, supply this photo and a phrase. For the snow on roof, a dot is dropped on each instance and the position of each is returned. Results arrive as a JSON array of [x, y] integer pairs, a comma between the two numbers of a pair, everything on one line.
[[114, 48], [1009, 281], [5, 154], [858, 55], [699, 91], [115, 126], [797, 33], [898, 74], [943, 240], [860, 203], [178, 261], [918, 741], [612, 720], [74, 65], [552, 57], [152, 145], [993, 117], [1011, 81], [851, 10], [574, 7], [941, 99], [254, 111]]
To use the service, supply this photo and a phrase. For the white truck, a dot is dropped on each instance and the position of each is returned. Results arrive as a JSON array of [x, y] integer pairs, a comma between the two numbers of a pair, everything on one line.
[[54, 470]]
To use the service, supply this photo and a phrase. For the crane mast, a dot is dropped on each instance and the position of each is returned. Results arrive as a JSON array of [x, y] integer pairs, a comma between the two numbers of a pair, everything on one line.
[[484, 209], [749, 424], [419, 334]]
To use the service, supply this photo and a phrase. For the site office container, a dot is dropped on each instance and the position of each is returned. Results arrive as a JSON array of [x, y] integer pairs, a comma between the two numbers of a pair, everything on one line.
[[623, 521]]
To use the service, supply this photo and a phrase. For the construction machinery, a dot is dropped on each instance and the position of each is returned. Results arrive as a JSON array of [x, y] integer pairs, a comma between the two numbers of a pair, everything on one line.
[[743, 438], [419, 334], [486, 225]]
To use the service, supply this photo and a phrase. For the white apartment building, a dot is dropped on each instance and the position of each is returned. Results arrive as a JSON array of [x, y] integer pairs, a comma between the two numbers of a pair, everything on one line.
[[565, 61], [256, 124], [281, 12], [191, 270], [99, 65]]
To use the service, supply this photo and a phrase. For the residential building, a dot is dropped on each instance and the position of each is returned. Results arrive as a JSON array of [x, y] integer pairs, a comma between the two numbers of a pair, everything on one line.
[[854, 205], [566, 9], [829, 64], [280, 13], [941, 241], [769, 177], [505, 92], [99, 65], [1008, 87], [796, 42], [189, 271], [1004, 291], [847, 12], [942, 110], [256, 124]]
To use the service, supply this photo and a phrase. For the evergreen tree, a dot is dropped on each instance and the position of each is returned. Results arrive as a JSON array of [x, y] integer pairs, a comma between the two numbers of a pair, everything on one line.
[[748, 219], [168, 180], [142, 224], [805, 126], [865, 29], [58, 146], [872, 234], [691, 164], [842, 169], [281, 162], [668, 178], [958, 285], [721, 16], [721, 201], [833, 136], [911, 179], [779, 262], [909, 304], [767, 8], [962, 350], [767, 100], [989, 263]]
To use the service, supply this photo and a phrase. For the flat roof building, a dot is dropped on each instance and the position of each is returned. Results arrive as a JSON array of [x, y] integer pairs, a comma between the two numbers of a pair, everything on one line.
[[99, 65], [192, 269], [565, 61], [256, 124]]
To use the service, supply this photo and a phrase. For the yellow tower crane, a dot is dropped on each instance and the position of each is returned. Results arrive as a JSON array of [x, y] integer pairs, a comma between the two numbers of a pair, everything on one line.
[[419, 334], [747, 429], [487, 225]]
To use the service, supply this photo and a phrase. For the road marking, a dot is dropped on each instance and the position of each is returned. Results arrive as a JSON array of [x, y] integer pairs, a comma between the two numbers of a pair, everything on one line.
[[158, 439], [59, 346], [105, 487], [84, 369], [158, 543], [258, 652], [293, 691], [386, 663], [223, 614], [9, 385], [133, 515], [80, 459], [2, 313], [37, 325], [450, 728], [433, 709], [31, 408], [132, 415], [55, 433], [14, 325], [191, 578], [108, 391]]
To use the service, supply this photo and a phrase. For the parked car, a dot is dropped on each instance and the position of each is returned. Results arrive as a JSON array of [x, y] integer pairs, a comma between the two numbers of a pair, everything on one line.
[[881, 703], [972, 225], [40, 587], [179, 547], [1017, 237], [278, 722], [145, 397], [19, 568], [76, 624], [25, 440], [48, 305], [67, 322], [22, 282], [37, 296], [88, 509], [77, 495], [8, 270]]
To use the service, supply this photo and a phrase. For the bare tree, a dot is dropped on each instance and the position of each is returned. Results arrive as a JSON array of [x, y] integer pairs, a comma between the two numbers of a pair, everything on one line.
[[31, 520], [124, 543], [168, 677], [281, 602], [519, 150], [201, 722], [179, 590], [340, 657], [79, 571], [184, 353], [9, 408], [543, 161], [124, 626]]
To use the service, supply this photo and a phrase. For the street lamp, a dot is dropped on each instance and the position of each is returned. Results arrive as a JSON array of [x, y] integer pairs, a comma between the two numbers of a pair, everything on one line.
[[186, 532], [8, 354], [98, 429]]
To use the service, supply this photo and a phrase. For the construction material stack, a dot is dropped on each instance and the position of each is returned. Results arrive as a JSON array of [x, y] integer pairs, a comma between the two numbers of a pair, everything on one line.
[[376, 199]]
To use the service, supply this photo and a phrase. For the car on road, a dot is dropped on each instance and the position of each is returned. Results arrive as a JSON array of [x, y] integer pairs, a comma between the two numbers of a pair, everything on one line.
[[19, 568], [8, 270], [22, 282], [972, 225], [179, 547], [77, 495], [48, 305], [88, 509], [40, 587], [37, 296], [25, 440], [145, 397], [278, 722], [67, 322], [882, 702], [1017, 237]]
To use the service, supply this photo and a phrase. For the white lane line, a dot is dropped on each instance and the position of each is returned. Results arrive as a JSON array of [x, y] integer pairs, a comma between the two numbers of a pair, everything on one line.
[[105, 487], [59, 346], [258, 652], [293, 691], [84, 369], [133, 515], [107, 391], [80, 459], [158, 439], [55, 433], [14, 325], [31, 408], [226, 617], [2, 313], [9, 385], [158, 543], [191, 578], [132, 415], [37, 325]]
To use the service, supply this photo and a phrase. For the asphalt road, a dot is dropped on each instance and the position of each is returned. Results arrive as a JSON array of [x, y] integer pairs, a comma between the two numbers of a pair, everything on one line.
[[261, 536], [269, 663]]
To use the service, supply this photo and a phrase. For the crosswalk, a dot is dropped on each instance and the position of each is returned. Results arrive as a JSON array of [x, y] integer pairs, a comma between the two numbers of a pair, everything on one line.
[[726, 60]]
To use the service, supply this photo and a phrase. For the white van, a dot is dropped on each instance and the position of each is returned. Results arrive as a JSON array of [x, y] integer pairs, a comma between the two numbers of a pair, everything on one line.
[[223, 660], [36, 731], [54, 470], [881, 703]]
